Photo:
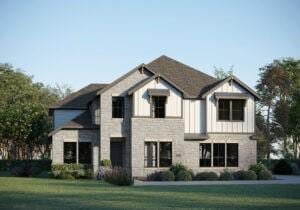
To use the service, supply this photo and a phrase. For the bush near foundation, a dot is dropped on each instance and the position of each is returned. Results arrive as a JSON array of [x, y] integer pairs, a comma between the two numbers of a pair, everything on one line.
[[71, 171], [184, 175], [226, 175], [118, 176], [264, 175], [168, 176], [245, 175], [206, 176]]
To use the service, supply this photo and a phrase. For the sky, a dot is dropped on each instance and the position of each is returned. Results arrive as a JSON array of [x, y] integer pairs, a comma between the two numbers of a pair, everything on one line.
[[81, 42]]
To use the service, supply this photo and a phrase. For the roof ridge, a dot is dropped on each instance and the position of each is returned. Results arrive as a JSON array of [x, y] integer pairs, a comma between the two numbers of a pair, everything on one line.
[[191, 68]]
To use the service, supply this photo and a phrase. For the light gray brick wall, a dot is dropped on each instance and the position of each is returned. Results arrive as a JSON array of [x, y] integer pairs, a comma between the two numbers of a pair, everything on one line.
[[185, 152], [62, 136], [155, 129], [112, 127]]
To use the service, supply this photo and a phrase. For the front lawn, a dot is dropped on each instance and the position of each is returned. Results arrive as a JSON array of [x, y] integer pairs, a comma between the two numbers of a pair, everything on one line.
[[34, 193]]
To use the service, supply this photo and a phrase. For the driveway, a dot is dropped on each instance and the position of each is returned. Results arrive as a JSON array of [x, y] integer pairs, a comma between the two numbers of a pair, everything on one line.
[[278, 179]]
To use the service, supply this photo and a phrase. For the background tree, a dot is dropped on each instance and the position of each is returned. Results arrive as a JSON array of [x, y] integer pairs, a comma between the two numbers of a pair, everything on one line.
[[278, 83], [24, 120], [220, 73]]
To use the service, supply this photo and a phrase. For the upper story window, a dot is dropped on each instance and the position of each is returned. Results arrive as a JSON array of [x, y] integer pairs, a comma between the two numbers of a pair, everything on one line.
[[231, 109], [159, 106], [117, 107]]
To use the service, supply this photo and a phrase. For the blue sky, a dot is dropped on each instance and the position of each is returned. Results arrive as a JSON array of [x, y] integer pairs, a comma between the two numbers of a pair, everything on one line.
[[82, 42]]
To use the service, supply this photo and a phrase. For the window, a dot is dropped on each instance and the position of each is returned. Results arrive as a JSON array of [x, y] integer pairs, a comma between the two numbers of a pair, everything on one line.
[[70, 152], [205, 155], [85, 152], [219, 155], [165, 154], [159, 106], [224, 113], [238, 110], [117, 107], [231, 109], [151, 154], [232, 155]]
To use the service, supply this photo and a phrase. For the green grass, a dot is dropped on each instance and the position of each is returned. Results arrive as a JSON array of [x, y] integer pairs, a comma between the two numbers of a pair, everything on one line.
[[35, 193]]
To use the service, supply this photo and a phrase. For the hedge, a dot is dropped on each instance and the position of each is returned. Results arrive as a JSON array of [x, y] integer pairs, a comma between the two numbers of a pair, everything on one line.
[[43, 165]]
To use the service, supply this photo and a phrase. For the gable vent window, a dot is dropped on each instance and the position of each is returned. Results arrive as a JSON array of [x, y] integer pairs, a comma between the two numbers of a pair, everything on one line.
[[159, 106], [117, 107], [231, 109]]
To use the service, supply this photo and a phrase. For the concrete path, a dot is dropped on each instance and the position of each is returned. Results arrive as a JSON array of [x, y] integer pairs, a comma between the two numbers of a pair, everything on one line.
[[279, 179]]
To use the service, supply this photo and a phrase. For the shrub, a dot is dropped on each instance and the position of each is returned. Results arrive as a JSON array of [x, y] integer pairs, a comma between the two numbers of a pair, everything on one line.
[[295, 167], [65, 175], [183, 175], [105, 163], [175, 168], [155, 176], [264, 175], [118, 176], [167, 176], [101, 172], [245, 175], [43, 174], [25, 169], [282, 167], [226, 175], [78, 171], [208, 176], [258, 167]]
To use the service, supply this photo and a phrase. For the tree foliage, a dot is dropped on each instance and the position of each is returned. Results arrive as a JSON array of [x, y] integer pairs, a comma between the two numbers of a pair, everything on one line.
[[279, 86], [24, 121], [220, 73]]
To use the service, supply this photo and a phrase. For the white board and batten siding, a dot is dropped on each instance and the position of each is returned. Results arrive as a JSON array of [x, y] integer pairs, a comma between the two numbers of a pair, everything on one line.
[[215, 126], [194, 115], [142, 103], [62, 116]]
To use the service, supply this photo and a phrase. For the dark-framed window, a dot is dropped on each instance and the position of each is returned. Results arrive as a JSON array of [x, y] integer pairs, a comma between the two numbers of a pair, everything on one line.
[[159, 106], [150, 154], [219, 155], [70, 152], [224, 109], [205, 155], [231, 109], [117, 107], [165, 154], [232, 155], [85, 153], [237, 110]]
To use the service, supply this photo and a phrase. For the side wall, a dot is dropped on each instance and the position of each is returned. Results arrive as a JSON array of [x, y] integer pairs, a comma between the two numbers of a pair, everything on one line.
[[142, 101], [62, 116], [62, 136], [215, 126]]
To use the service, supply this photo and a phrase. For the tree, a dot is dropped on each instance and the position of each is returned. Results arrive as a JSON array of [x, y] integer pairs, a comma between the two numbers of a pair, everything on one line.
[[277, 84], [220, 73], [24, 121]]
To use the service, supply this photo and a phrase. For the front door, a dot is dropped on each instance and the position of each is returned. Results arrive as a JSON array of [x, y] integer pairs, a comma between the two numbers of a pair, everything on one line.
[[116, 153]]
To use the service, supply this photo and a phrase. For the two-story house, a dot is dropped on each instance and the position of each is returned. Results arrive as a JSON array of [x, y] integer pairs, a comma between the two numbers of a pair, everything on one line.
[[157, 114]]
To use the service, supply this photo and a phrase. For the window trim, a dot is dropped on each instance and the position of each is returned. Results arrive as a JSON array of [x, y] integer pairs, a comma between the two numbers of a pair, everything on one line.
[[122, 108], [225, 157], [230, 110], [158, 154], [152, 107]]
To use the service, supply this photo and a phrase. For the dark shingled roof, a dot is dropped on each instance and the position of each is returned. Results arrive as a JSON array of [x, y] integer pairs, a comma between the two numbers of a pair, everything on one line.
[[82, 121], [192, 81], [80, 98]]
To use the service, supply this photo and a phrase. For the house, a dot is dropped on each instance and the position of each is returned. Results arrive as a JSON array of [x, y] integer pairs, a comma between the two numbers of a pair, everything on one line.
[[157, 114]]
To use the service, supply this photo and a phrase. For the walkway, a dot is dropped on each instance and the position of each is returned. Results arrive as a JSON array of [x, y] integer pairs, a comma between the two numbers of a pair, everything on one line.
[[279, 179]]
